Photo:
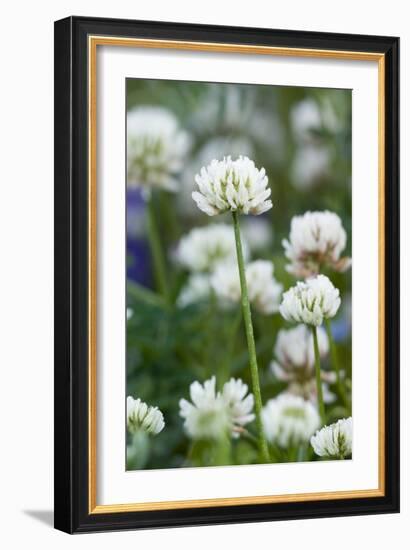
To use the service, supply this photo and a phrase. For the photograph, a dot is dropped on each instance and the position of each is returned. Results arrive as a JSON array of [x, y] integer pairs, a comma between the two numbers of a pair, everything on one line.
[[238, 274], [227, 315]]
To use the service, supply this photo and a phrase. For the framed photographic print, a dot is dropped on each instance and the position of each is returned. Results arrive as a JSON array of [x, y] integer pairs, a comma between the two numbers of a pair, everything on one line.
[[226, 274]]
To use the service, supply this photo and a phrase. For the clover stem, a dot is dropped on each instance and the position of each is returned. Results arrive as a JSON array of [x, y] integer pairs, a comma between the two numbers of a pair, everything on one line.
[[158, 260], [247, 317], [318, 375]]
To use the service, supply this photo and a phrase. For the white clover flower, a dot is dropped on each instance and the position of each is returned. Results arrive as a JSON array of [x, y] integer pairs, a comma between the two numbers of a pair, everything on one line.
[[258, 233], [207, 416], [156, 148], [316, 239], [289, 420], [226, 284], [217, 147], [295, 359], [239, 404], [204, 247], [334, 441], [310, 302], [196, 289], [232, 185], [211, 415], [263, 290], [142, 417], [294, 348]]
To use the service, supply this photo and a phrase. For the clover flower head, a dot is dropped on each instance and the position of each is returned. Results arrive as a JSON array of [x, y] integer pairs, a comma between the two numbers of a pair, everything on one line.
[[239, 404], [334, 441], [212, 414], [143, 417], [203, 248], [206, 417], [226, 284], [157, 147], [196, 289], [214, 148], [310, 302], [289, 420], [232, 185], [263, 290], [294, 362], [294, 347], [316, 239]]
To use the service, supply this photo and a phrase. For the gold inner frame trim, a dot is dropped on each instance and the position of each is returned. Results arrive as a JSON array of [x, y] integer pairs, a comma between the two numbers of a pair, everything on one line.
[[93, 42]]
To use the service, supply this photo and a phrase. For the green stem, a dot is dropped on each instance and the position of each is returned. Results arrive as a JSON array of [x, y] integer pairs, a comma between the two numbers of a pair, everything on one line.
[[222, 450], [158, 259], [335, 360], [247, 317], [168, 213], [318, 375]]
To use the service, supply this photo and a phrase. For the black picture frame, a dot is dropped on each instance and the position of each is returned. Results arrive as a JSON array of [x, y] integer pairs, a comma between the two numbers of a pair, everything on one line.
[[72, 276]]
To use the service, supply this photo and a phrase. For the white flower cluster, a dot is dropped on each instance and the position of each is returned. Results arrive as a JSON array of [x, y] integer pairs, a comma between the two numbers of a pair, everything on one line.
[[203, 248], [212, 414], [214, 148], [232, 185], [316, 239], [334, 441], [239, 404], [289, 420], [156, 146], [263, 290], [294, 348], [209, 252], [142, 417], [196, 289], [294, 362], [310, 302]]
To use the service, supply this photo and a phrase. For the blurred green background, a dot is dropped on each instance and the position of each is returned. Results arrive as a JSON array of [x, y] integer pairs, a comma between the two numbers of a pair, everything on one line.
[[302, 137]]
